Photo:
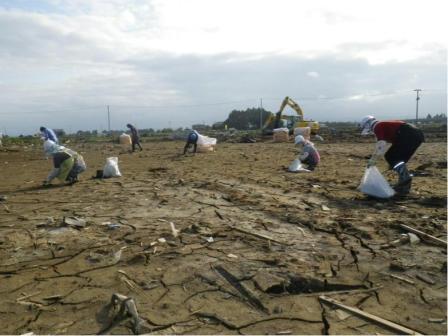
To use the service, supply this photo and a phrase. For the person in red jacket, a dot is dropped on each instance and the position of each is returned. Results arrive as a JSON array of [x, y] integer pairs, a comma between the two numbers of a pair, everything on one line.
[[405, 140]]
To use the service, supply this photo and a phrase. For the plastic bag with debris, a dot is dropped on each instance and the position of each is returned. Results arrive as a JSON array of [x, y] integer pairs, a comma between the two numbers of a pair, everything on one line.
[[296, 166], [374, 184], [206, 144], [111, 167]]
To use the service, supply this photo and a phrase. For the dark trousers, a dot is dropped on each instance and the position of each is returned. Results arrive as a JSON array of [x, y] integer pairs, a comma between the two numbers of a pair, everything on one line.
[[134, 143], [407, 141], [189, 143], [311, 163]]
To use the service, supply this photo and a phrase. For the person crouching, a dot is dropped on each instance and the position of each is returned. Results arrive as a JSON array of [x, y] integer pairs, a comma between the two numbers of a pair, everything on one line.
[[309, 154], [67, 164]]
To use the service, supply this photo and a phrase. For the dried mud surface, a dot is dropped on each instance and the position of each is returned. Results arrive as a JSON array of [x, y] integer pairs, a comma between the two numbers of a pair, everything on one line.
[[217, 276]]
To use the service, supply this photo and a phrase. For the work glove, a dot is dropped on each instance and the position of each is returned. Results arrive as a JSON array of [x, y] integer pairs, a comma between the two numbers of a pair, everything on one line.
[[371, 162]]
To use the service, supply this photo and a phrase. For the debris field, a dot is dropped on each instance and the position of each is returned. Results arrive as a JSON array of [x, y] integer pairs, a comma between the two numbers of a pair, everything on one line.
[[226, 242]]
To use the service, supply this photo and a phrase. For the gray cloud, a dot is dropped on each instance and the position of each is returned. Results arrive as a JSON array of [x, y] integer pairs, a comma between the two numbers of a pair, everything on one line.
[[65, 79]]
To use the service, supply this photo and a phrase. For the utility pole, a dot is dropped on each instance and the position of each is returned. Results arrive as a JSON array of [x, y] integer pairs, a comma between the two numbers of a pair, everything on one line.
[[416, 107], [108, 118], [261, 113]]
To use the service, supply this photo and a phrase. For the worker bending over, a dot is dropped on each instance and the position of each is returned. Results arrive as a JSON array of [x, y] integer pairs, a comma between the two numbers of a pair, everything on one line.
[[135, 137], [405, 140], [67, 164], [192, 139], [309, 154]]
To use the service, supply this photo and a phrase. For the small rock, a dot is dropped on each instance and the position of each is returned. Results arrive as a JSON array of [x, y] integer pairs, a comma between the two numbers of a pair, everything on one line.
[[325, 208], [75, 222], [230, 255], [209, 239], [413, 238]]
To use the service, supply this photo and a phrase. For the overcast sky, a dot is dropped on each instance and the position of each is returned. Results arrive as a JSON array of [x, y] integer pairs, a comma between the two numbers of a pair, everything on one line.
[[173, 63]]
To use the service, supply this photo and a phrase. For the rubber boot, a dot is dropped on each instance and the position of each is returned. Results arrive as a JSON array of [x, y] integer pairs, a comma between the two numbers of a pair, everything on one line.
[[404, 179]]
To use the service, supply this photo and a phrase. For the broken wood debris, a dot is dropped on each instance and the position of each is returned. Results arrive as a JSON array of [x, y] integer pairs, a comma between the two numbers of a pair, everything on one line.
[[127, 309], [245, 292], [400, 278], [259, 235], [372, 318], [426, 279], [424, 235]]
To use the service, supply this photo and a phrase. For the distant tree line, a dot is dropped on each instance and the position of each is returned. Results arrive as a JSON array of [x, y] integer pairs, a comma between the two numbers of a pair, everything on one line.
[[249, 119]]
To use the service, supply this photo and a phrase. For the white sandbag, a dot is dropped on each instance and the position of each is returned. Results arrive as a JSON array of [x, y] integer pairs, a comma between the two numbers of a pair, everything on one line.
[[281, 135], [303, 131], [205, 140], [296, 166], [280, 130], [205, 144], [111, 167], [374, 184], [125, 139]]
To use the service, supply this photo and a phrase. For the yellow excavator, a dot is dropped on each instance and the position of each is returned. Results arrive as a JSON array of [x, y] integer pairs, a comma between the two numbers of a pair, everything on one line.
[[279, 120]]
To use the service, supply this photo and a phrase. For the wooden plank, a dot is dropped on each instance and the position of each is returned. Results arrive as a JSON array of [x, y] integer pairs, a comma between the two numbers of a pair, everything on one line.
[[424, 235], [259, 235], [400, 278], [245, 292], [348, 292], [397, 328]]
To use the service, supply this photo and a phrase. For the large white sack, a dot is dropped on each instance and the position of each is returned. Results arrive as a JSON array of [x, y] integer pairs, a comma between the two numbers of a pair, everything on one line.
[[111, 167], [296, 166], [281, 130], [205, 140], [374, 184]]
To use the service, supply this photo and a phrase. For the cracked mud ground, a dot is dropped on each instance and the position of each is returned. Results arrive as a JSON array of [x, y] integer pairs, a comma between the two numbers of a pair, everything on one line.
[[326, 238]]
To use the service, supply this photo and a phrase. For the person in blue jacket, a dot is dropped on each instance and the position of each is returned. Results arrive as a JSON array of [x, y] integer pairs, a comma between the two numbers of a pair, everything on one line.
[[192, 139], [48, 134]]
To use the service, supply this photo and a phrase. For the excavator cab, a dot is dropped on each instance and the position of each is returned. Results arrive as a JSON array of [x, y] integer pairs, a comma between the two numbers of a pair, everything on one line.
[[294, 121]]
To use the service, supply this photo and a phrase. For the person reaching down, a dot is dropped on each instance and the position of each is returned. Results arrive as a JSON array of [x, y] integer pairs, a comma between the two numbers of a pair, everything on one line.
[[309, 154], [67, 164], [405, 139]]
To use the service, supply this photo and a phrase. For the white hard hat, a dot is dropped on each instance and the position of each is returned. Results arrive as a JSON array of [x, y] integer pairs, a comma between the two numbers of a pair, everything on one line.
[[299, 140], [366, 124]]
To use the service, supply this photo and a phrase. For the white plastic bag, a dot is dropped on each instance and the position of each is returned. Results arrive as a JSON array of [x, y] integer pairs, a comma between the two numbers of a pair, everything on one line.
[[206, 141], [374, 184], [205, 144], [111, 167], [296, 166]]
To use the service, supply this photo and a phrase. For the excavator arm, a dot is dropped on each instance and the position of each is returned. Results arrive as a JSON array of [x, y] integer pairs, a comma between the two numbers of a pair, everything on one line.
[[291, 103]]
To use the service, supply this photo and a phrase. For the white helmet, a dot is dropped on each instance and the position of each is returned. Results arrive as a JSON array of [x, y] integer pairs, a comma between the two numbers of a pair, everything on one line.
[[366, 124], [299, 140]]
